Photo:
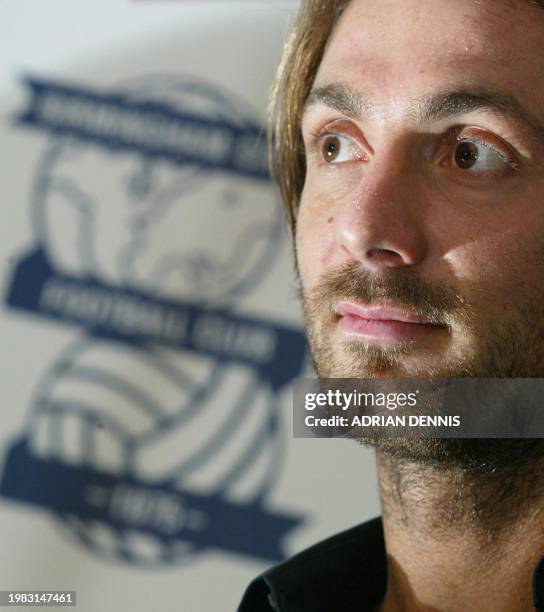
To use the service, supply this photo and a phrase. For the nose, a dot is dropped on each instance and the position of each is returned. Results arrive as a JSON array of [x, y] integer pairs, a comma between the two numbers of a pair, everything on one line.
[[382, 224]]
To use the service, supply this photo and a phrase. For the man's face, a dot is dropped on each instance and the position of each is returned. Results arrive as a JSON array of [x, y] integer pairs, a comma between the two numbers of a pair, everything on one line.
[[420, 233]]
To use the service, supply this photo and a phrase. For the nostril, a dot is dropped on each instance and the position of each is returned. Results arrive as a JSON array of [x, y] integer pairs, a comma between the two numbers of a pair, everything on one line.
[[382, 253], [384, 258]]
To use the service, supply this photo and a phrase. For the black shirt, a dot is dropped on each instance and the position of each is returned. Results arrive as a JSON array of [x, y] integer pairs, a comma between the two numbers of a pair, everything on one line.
[[346, 572]]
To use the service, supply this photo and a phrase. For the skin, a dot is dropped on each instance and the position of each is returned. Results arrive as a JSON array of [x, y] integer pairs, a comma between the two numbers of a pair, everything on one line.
[[463, 246]]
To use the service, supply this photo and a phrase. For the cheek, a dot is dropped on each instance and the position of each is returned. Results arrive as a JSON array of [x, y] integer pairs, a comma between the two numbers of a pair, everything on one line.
[[492, 245], [315, 240], [496, 272]]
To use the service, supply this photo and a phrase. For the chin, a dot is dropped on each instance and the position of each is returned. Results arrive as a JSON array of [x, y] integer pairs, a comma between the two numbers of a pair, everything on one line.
[[466, 454], [357, 360]]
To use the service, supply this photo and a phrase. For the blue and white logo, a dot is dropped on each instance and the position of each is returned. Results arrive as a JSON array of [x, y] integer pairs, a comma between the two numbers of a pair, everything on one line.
[[157, 433]]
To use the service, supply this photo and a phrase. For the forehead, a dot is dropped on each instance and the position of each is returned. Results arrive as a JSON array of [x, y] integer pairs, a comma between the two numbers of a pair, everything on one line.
[[397, 48]]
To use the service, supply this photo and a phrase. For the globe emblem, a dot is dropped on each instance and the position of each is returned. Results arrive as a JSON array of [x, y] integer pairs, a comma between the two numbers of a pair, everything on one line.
[[177, 420], [177, 230]]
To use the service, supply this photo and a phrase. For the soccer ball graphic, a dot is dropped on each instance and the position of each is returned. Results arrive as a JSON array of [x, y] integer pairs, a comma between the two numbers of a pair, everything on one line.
[[155, 416]]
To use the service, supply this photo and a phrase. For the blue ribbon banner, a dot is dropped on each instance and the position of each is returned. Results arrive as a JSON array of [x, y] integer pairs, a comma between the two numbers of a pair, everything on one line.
[[277, 352], [153, 129], [158, 509]]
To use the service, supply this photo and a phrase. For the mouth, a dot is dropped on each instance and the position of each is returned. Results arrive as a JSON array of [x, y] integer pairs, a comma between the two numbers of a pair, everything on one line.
[[384, 325]]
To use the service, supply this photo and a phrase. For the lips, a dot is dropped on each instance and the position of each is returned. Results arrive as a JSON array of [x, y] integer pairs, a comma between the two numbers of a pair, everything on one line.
[[384, 325]]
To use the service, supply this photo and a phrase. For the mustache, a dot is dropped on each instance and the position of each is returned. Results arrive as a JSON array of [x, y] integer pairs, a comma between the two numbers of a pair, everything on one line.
[[404, 288]]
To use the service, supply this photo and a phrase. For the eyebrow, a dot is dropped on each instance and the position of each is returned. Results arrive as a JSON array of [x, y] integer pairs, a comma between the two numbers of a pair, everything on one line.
[[443, 105]]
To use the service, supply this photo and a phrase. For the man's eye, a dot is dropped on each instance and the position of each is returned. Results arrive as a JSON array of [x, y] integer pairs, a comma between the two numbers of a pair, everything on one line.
[[476, 156], [337, 149]]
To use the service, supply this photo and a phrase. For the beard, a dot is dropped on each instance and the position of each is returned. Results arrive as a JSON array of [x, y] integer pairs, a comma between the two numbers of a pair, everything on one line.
[[512, 347]]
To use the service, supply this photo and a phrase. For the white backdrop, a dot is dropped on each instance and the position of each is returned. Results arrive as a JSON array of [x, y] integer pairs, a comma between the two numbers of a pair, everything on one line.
[[149, 318]]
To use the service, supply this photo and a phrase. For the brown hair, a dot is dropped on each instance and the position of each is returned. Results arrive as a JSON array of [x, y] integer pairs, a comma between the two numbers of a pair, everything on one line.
[[301, 58]]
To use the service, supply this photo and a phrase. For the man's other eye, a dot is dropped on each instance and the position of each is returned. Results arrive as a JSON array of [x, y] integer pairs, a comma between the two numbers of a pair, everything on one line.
[[476, 156], [337, 149]]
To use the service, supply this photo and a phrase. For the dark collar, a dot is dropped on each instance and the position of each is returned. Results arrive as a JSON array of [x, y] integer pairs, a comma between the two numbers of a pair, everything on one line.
[[345, 572]]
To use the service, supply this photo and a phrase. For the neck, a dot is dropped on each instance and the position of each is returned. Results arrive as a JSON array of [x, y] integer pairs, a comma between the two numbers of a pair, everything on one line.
[[460, 539]]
